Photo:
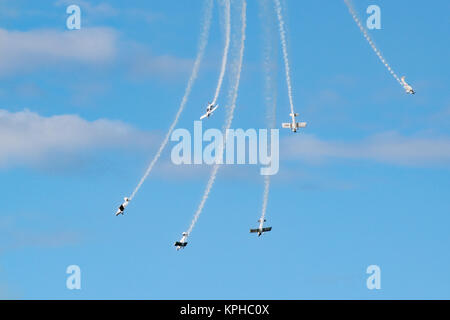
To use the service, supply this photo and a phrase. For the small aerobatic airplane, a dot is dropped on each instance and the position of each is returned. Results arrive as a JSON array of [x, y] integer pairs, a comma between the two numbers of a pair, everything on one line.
[[293, 125], [122, 206], [209, 110], [407, 87], [182, 243], [261, 230]]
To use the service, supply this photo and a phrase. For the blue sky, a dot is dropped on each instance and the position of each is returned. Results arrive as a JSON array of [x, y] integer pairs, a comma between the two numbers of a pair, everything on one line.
[[82, 113]]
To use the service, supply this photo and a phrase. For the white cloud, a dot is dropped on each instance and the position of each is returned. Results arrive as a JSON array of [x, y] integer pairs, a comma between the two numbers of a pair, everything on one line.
[[105, 10], [146, 63], [25, 50], [22, 239], [164, 66], [101, 9], [146, 15], [387, 147], [30, 139]]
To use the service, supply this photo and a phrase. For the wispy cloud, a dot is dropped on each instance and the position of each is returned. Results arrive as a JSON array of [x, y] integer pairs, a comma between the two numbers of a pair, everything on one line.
[[146, 15], [163, 66], [27, 138], [106, 10], [15, 236], [100, 9], [29, 50], [21, 239], [387, 147]]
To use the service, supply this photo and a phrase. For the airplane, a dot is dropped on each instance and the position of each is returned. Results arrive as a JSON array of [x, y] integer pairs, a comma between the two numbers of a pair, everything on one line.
[[293, 125], [122, 206], [209, 110], [407, 87], [261, 230], [182, 243]]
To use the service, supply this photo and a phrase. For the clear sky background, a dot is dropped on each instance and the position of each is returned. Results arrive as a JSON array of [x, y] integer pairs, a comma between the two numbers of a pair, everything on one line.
[[367, 182]]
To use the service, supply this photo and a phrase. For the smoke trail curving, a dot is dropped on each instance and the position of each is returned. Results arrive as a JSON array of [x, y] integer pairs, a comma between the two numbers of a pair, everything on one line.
[[203, 41], [234, 93], [370, 41], [281, 26], [225, 51]]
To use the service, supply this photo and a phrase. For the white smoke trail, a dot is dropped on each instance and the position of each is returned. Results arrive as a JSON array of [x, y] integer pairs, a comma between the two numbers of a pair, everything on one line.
[[269, 62], [228, 121], [265, 196], [269, 88], [370, 41], [225, 51], [203, 41], [281, 26]]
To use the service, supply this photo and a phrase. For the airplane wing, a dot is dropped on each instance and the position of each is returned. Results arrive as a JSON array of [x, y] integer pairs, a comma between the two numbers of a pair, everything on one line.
[[266, 229], [180, 244], [286, 125], [254, 230], [301, 124], [214, 109], [203, 117]]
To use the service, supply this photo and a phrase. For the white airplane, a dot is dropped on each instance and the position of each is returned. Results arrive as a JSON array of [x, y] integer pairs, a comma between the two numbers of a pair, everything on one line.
[[261, 230], [293, 125], [407, 87], [209, 110], [122, 206], [182, 243]]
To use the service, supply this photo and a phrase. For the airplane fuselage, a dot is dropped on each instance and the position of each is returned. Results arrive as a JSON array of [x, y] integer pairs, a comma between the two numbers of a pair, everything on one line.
[[122, 207], [293, 125], [182, 243], [209, 111], [407, 87], [260, 230], [409, 90], [261, 223]]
